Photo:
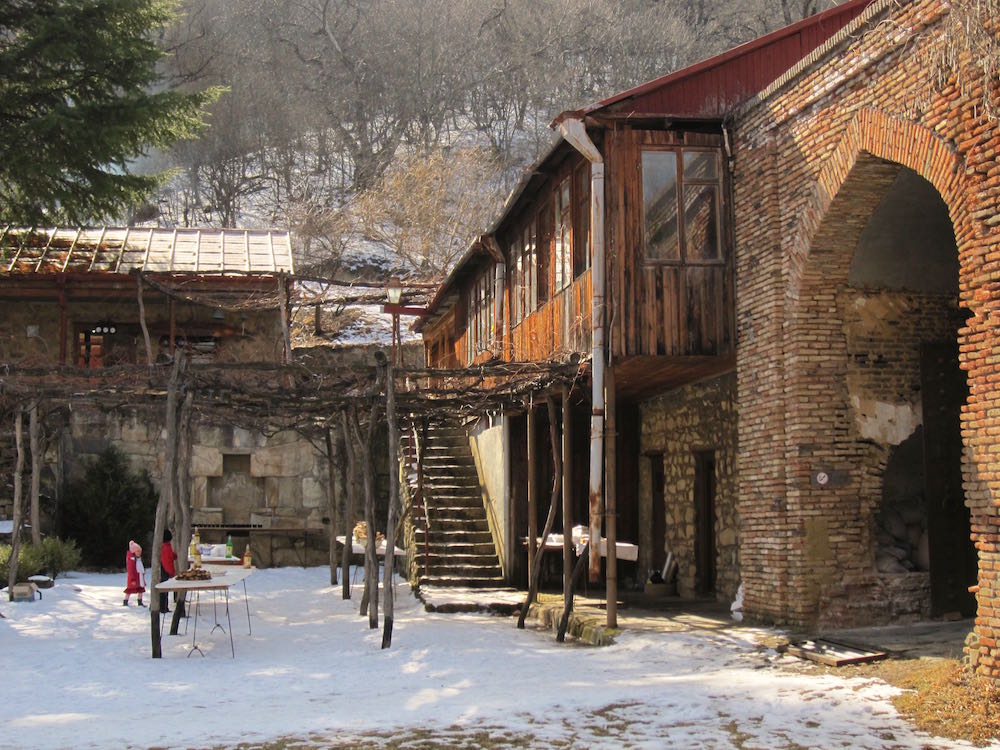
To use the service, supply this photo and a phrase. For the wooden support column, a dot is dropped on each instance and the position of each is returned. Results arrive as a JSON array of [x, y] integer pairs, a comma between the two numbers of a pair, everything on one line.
[[390, 526], [34, 445], [18, 519], [611, 495], [532, 484], [567, 492], [142, 319], [283, 313], [63, 322], [173, 330]]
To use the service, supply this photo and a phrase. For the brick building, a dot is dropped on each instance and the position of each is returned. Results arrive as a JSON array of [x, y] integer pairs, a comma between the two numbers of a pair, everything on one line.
[[865, 204], [819, 355]]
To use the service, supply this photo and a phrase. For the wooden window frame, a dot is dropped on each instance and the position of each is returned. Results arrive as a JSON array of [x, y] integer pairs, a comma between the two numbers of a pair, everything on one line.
[[683, 257]]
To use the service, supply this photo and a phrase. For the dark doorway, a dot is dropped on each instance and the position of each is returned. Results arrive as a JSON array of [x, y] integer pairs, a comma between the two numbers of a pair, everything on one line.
[[704, 521], [953, 563], [659, 512]]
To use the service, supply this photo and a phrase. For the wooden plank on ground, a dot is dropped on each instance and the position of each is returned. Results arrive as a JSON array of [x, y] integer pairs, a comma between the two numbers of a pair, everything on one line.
[[833, 653]]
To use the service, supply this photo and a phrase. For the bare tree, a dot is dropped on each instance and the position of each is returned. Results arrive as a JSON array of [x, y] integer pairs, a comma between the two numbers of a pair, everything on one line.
[[429, 206]]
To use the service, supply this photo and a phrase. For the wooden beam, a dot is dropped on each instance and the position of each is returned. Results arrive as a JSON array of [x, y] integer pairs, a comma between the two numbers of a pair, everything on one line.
[[142, 319], [611, 495], [97, 248], [283, 313], [173, 326], [63, 322], [121, 250], [532, 483], [567, 492], [72, 247]]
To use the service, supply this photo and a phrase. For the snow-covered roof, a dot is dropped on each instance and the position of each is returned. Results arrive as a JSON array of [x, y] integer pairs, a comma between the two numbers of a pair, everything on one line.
[[148, 249]]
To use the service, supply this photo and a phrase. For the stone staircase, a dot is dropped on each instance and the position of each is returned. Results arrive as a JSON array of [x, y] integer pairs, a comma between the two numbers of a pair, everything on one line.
[[456, 547]]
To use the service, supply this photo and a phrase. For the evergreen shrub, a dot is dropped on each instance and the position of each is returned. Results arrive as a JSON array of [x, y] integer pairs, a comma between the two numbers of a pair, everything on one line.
[[106, 507]]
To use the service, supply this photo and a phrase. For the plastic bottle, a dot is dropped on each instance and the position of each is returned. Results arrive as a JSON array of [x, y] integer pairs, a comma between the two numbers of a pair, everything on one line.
[[229, 547]]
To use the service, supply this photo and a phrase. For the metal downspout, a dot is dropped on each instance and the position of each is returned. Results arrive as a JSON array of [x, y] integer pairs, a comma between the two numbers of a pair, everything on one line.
[[575, 133]]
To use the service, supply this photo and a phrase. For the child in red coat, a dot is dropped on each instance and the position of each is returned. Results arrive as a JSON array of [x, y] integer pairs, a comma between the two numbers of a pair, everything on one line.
[[168, 568], [136, 573]]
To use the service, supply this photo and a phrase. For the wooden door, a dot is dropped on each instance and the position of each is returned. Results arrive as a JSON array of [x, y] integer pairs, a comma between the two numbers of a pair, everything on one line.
[[952, 556], [704, 521], [658, 554]]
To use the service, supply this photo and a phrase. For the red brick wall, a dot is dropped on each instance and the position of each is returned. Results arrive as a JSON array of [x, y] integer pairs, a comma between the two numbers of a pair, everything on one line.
[[810, 160]]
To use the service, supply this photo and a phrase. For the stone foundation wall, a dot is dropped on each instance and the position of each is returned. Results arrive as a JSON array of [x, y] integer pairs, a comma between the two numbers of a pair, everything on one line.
[[675, 425], [237, 476]]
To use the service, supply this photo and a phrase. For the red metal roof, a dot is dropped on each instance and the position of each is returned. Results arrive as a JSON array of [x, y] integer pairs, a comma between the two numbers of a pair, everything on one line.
[[714, 86]]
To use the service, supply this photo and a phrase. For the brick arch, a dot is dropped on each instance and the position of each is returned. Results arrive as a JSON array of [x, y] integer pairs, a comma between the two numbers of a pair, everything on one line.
[[891, 139], [848, 186]]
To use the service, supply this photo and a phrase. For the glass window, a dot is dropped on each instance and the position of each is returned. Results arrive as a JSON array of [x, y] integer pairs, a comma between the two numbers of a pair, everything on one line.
[[581, 231], [659, 205], [701, 165], [701, 222], [563, 250], [681, 207]]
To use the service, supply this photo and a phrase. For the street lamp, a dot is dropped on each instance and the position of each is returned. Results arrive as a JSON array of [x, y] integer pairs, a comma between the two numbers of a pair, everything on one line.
[[394, 293], [394, 290]]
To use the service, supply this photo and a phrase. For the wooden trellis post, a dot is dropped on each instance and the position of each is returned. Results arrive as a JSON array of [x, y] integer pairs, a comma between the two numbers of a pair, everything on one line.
[[536, 566]]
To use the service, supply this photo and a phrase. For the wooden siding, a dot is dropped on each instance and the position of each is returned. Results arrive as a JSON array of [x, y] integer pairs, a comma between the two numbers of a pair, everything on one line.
[[560, 326], [657, 308]]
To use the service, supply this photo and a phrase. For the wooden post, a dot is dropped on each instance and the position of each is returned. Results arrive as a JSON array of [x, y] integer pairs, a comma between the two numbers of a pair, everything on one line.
[[334, 460], [350, 479], [611, 496], [567, 492], [581, 565], [34, 445], [63, 322], [15, 540], [173, 327], [532, 483], [142, 319], [166, 500], [369, 601], [390, 526], [182, 503], [283, 312], [550, 518]]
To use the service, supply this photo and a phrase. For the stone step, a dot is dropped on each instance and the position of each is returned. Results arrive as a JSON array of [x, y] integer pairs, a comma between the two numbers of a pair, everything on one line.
[[485, 583], [438, 562], [455, 536], [460, 549]]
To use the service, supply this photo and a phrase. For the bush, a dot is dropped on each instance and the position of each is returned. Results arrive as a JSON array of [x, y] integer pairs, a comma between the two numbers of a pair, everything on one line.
[[108, 506], [29, 562], [58, 556]]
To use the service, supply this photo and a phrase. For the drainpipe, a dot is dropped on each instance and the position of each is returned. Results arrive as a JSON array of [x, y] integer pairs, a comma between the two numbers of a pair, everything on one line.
[[575, 134]]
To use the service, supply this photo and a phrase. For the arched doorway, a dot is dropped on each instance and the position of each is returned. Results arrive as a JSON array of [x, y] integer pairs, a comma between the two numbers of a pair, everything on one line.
[[874, 402]]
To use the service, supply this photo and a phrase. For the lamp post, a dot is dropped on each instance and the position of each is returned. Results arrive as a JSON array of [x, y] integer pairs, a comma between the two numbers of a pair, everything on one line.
[[393, 294]]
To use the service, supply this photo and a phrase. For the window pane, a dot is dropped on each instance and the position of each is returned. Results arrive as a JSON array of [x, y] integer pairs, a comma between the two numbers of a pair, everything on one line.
[[581, 228], [701, 165], [659, 203], [701, 222]]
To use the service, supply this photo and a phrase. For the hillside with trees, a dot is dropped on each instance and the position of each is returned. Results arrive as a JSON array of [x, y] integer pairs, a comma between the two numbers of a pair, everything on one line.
[[405, 122]]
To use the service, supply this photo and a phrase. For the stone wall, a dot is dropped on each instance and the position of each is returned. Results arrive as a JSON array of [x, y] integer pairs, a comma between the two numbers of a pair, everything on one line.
[[486, 438], [697, 417], [30, 331], [237, 476], [813, 156]]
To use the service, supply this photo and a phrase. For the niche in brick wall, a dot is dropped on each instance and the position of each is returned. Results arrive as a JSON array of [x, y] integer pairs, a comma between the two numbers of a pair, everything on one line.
[[901, 523]]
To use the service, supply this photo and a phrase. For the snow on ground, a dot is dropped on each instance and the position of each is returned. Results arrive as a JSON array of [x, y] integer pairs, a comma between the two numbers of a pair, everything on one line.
[[77, 673]]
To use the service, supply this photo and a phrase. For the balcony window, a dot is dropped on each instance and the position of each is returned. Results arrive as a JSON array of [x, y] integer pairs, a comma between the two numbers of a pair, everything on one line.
[[681, 191]]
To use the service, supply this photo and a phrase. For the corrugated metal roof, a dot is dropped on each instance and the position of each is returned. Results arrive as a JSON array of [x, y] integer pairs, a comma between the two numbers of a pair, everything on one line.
[[713, 87], [151, 250]]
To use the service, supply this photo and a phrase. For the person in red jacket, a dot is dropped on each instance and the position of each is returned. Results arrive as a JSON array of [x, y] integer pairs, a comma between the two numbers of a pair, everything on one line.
[[135, 582], [168, 566]]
